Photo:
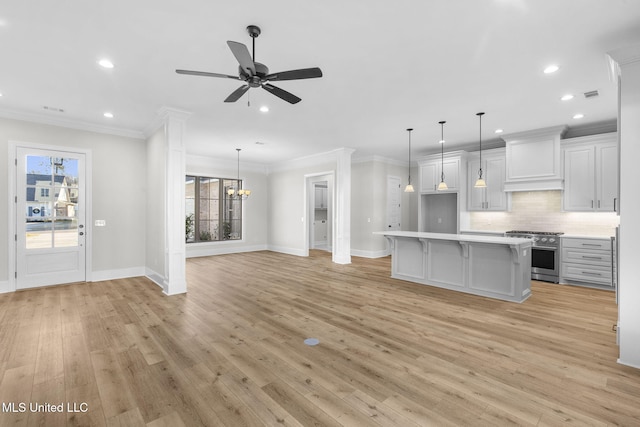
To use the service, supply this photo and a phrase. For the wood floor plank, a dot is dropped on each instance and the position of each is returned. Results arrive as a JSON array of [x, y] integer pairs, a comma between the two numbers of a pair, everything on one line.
[[230, 352], [114, 391]]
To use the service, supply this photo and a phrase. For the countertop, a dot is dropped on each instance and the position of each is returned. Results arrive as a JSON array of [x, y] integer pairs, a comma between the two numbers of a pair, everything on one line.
[[457, 237]]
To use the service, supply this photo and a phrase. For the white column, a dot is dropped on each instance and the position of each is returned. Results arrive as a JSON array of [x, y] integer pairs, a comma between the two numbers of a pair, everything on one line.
[[626, 63], [174, 213], [342, 240]]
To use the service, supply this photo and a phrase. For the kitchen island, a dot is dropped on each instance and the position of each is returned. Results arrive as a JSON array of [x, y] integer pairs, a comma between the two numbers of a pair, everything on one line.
[[490, 266]]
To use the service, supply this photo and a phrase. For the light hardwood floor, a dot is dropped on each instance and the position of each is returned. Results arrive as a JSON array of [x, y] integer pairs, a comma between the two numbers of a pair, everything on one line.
[[231, 351]]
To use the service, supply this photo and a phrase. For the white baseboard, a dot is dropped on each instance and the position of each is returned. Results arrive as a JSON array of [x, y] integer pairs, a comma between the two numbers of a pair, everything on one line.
[[370, 254], [6, 287], [122, 273], [288, 251], [633, 365], [156, 278], [217, 249]]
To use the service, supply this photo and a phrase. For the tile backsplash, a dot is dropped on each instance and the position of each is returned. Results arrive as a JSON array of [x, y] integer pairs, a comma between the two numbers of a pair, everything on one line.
[[542, 211]]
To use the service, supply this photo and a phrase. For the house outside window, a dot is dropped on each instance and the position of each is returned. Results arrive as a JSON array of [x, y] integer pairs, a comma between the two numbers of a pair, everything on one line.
[[211, 215]]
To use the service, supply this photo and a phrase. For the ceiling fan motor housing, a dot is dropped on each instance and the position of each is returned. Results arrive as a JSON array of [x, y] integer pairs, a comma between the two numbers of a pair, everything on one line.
[[261, 71]]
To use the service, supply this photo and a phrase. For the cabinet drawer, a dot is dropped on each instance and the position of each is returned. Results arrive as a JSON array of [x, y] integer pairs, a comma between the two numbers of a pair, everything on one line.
[[568, 242], [589, 274], [584, 256]]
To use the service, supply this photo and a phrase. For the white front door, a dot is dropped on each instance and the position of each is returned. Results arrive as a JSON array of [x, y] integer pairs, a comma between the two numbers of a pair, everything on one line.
[[394, 197], [50, 217]]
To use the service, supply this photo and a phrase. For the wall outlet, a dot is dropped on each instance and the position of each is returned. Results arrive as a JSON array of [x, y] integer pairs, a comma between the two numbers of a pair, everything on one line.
[[100, 223]]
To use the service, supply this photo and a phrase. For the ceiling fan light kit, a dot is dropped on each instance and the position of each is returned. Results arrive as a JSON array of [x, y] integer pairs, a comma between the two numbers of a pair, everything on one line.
[[255, 74]]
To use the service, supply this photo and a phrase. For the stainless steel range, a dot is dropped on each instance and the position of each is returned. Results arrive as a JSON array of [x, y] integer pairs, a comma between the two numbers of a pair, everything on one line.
[[545, 253]]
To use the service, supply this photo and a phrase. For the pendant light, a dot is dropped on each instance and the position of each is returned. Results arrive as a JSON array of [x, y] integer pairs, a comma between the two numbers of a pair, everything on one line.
[[442, 185], [409, 187], [238, 193], [480, 182]]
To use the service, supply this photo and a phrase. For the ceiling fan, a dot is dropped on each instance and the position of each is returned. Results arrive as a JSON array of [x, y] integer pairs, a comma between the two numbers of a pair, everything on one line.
[[255, 74]]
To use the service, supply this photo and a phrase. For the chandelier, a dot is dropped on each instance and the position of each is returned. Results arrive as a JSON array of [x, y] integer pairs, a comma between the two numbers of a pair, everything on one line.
[[236, 191]]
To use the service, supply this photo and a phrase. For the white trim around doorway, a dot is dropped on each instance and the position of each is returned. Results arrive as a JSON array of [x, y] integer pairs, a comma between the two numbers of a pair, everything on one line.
[[10, 284]]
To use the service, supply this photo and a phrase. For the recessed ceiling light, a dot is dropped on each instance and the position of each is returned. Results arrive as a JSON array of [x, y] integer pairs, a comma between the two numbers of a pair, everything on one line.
[[551, 69], [498, 131], [566, 97], [108, 115], [105, 63], [264, 109], [578, 116]]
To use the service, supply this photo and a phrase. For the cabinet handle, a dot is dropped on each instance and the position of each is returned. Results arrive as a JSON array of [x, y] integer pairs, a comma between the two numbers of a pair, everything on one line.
[[615, 199], [591, 274], [598, 204], [592, 204], [591, 257], [591, 244]]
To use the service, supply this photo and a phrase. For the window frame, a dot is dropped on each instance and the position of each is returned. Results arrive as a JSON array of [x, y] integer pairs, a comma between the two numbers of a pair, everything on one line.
[[223, 202]]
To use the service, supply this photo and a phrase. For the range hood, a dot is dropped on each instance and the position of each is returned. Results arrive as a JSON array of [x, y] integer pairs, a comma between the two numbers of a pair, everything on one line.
[[534, 160]]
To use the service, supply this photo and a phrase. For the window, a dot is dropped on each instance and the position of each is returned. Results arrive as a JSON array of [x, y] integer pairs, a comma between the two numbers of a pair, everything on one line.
[[211, 215]]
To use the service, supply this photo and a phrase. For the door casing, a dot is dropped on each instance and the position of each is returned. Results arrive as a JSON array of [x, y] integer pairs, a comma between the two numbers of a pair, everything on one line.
[[12, 193]]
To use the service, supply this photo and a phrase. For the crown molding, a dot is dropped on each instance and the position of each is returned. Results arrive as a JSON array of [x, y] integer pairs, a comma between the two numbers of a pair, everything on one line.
[[309, 161], [223, 165], [621, 57], [162, 115], [553, 131], [381, 159], [70, 124]]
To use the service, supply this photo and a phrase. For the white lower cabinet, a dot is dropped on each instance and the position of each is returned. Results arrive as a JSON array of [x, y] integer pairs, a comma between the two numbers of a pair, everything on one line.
[[586, 261]]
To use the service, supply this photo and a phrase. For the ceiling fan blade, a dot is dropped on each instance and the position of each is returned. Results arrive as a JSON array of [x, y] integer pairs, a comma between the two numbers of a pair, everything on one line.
[[243, 56], [305, 73], [236, 94], [207, 74], [282, 94]]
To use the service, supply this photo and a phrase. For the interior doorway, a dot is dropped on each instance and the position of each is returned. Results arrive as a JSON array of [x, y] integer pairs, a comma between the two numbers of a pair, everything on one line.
[[320, 212]]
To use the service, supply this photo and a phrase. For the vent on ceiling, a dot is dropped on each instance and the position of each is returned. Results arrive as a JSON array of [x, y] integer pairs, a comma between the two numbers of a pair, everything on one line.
[[56, 109], [591, 94]]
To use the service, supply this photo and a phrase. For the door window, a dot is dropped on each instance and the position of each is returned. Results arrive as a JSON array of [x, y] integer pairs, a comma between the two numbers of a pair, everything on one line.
[[51, 202]]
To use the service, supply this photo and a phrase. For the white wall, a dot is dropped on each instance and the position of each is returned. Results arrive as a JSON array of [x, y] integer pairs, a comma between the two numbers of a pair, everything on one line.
[[255, 224], [119, 181], [286, 208], [369, 204]]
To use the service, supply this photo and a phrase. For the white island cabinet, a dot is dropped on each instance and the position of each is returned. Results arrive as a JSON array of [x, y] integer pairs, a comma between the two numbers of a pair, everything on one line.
[[490, 266]]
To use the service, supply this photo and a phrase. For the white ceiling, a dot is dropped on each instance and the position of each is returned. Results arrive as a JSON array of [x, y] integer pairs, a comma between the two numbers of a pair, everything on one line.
[[387, 66]]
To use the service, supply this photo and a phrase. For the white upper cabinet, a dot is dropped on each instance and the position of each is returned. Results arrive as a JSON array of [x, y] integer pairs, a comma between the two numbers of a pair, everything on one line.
[[534, 160], [590, 173], [321, 198], [493, 197], [432, 166]]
